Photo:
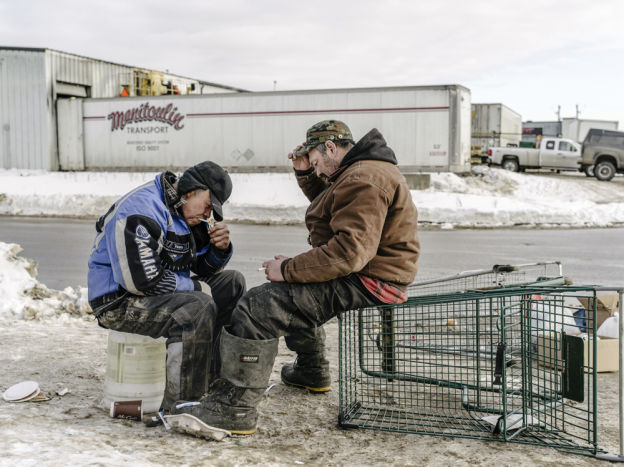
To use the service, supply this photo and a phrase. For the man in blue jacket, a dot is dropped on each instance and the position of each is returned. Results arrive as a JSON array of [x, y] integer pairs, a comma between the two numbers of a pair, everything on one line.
[[147, 245]]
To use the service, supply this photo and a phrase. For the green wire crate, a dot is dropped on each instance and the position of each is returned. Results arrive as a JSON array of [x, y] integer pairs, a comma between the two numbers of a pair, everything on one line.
[[499, 275], [504, 364]]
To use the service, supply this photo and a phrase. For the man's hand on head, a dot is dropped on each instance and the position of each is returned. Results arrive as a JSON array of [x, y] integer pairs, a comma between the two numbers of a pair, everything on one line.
[[220, 236], [301, 162], [273, 268]]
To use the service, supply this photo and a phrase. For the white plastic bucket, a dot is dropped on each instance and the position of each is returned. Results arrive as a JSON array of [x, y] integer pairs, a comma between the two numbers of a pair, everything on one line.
[[135, 370]]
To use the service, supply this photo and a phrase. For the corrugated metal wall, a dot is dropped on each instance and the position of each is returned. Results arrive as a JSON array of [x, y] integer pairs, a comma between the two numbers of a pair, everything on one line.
[[99, 79], [31, 80], [102, 78], [24, 135]]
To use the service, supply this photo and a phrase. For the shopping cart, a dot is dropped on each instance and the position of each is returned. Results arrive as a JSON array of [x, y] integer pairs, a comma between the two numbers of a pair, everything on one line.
[[499, 275], [491, 354]]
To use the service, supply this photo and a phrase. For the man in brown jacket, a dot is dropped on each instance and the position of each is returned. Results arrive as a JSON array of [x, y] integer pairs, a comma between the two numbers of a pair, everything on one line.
[[363, 232]]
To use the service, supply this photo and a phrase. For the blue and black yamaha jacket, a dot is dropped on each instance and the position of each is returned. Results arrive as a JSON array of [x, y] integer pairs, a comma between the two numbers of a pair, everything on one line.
[[144, 247]]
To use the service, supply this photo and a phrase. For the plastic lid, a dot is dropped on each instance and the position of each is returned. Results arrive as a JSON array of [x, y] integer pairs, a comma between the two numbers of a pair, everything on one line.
[[25, 390]]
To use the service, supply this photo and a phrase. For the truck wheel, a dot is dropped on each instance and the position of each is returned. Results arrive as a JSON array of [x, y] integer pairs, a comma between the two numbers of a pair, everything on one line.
[[588, 170], [604, 171], [511, 165]]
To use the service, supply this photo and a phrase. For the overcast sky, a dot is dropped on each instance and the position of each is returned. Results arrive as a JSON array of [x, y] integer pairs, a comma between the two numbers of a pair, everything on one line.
[[531, 55]]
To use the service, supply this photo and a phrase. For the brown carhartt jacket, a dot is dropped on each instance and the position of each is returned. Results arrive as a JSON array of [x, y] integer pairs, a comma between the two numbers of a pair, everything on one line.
[[364, 221]]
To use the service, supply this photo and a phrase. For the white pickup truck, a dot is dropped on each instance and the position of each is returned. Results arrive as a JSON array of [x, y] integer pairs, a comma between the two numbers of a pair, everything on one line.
[[553, 153]]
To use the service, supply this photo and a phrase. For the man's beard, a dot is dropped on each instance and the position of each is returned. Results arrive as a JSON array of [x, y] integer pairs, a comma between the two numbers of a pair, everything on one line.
[[331, 165]]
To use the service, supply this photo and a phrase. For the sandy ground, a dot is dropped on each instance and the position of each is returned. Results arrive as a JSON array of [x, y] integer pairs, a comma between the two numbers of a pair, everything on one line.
[[295, 427]]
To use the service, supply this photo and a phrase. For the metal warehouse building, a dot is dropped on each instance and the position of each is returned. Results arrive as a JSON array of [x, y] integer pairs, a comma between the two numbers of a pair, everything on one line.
[[32, 79]]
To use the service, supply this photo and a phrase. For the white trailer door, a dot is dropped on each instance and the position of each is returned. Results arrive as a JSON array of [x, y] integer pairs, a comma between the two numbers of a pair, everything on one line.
[[70, 134]]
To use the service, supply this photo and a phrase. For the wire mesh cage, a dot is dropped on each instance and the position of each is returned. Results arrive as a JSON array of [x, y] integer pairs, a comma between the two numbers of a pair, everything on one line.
[[499, 275], [513, 364]]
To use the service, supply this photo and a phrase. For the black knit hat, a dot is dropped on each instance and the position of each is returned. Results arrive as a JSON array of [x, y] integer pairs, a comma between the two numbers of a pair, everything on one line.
[[208, 176]]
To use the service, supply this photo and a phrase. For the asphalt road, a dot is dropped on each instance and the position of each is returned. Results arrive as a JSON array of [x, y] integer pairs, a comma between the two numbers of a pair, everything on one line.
[[589, 256]]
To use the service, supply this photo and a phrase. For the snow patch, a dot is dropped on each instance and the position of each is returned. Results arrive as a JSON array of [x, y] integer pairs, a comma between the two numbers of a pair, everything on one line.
[[483, 198], [23, 297]]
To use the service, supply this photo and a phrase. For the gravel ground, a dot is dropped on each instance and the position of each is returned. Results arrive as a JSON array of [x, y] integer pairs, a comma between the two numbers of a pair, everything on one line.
[[295, 427]]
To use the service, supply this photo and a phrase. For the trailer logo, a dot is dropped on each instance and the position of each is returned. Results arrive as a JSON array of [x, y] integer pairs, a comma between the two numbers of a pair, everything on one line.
[[147, 113]]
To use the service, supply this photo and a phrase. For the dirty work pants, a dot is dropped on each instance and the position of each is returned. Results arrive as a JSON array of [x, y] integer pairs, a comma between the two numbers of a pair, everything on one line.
[[296, 310], [191, 322]]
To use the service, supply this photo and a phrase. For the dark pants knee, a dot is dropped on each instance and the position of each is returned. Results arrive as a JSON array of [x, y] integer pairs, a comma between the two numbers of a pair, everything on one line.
[[227, 288], [279, 308]]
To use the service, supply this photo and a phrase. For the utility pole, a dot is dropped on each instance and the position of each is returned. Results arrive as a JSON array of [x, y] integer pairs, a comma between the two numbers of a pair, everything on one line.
[[578, 112], [558, 113]]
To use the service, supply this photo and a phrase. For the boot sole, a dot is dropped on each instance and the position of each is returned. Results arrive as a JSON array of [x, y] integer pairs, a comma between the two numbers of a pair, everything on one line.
[[242, 432], [193, 425], [313, 390]]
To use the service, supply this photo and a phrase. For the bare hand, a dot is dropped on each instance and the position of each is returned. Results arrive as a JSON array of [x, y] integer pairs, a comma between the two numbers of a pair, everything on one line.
[[301, 162], [220, 236], [273, 269]]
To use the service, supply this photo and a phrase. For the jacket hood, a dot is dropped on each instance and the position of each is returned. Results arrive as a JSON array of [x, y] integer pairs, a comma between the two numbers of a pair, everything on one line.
[[372, 146]]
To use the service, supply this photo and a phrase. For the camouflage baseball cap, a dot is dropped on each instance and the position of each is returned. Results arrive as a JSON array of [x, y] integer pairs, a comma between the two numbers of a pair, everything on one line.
[[327, 130]]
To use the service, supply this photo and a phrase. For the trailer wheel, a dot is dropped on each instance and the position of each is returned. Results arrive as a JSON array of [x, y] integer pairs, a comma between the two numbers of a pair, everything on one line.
[[511, 165], [588, 170], [604, 171]]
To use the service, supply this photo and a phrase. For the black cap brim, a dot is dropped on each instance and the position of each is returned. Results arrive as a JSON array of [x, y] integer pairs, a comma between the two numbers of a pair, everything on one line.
[[217, 209]]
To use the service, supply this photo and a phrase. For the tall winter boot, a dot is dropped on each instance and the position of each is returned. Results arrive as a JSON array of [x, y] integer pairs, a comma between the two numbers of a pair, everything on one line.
[[311, 369], [245, 369]]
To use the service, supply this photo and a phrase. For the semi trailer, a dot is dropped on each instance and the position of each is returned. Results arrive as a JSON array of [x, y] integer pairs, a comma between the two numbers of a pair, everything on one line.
[[427, 126]]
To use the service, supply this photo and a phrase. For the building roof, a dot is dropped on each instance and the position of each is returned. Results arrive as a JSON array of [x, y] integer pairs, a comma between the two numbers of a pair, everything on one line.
[[40, 49]]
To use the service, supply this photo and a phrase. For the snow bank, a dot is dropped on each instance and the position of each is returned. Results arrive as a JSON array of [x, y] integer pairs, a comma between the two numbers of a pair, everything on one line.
[[23, 297], [485, 198], [498, 198], [66, 194]]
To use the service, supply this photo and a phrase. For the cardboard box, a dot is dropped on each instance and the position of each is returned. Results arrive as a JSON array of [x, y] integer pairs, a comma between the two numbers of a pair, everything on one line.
[[606, 305], [549, 352]]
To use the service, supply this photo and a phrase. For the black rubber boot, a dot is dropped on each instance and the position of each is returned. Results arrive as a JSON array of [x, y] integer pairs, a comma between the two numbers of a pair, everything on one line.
[[311, 369], [245, 369], [227, 407]]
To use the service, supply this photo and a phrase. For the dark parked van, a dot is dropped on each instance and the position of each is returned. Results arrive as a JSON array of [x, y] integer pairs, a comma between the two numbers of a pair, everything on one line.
[[604, 150]]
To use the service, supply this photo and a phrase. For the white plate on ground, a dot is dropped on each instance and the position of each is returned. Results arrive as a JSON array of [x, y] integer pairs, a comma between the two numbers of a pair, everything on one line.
[[22, 392], [34, 396]]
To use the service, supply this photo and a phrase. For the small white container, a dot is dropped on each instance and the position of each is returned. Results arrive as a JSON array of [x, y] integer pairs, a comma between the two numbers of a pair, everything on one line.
[[135, 370]]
